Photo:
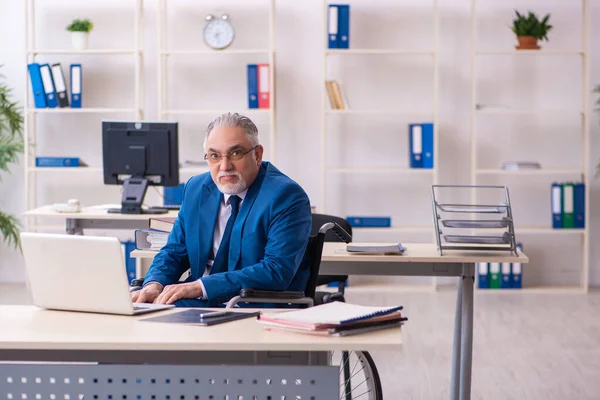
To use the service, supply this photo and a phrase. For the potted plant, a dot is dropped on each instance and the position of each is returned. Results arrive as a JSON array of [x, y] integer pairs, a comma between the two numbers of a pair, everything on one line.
[[529, 29], [80, 29], [11, 146]]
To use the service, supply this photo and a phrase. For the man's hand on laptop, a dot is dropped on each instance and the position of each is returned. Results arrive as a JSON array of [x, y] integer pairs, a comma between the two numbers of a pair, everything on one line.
[[172, 293], [147, 294]]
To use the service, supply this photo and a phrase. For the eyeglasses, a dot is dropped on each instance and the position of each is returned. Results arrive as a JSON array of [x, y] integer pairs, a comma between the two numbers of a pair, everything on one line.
[[235, 155]]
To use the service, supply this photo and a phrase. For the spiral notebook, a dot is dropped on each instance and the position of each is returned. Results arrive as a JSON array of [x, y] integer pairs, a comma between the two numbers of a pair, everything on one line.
[[330, 315]]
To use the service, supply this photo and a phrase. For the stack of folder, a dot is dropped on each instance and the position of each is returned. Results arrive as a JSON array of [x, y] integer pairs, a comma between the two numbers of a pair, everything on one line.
[[335, 319], [568, 205], [497, 275], [155, 237], [420, 145], [259, 93], [49, 86], [338, 26]]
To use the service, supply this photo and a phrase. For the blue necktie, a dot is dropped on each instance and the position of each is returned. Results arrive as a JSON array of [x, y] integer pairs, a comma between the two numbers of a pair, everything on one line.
[[221, 260]]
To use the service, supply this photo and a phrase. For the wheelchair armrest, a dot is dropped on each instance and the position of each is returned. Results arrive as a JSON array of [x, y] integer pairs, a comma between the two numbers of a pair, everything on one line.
[[136, 284], [327, 297], [249, 294]]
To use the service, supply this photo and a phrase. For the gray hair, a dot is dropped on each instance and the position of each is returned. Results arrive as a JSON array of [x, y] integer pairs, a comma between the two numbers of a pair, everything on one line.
[[233, 121]]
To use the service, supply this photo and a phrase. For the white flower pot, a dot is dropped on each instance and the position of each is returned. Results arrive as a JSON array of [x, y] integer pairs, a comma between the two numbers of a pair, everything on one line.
[[79, 40]]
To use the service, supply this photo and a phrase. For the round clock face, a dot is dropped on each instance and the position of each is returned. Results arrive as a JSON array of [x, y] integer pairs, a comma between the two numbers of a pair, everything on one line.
[[218, 34]]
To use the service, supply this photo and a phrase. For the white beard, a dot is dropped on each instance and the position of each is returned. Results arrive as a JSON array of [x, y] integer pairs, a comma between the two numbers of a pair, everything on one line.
[[231, 188]]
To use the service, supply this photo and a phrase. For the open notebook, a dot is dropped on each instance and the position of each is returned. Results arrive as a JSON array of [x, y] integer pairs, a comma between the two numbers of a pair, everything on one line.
[[334, 314]]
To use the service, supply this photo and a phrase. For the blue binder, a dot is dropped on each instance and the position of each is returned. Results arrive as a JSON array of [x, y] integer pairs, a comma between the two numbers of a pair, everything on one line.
[[76, 85], [369, 222], [57, 162], [505, 276], [427, 145], [174, 195], [252, 86], [482, 275], [332, 26], [579, 204], [35, 76], [49, 88], [415, 144], [517, 272], [343, 26], [557, 204]]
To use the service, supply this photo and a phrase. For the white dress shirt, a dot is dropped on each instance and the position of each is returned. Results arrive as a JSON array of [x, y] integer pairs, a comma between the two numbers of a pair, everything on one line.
[[224, 214]]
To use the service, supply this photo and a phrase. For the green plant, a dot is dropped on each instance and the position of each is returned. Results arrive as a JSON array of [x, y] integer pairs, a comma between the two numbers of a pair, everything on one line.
[[530, 25], [11, 146], [80, 25]]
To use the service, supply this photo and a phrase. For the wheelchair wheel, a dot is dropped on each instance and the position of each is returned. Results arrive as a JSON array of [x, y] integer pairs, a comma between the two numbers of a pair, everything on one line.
[[359, 378]]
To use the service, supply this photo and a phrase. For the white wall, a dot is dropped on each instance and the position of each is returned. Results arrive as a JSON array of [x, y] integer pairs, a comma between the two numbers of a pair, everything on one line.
[[394, 81]]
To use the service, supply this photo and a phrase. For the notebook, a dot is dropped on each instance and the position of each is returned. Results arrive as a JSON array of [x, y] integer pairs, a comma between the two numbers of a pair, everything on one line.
[[375, 248], [331, 315], [193, 317]]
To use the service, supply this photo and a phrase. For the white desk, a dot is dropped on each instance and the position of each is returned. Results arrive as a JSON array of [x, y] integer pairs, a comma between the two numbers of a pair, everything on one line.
[[90, 218], [421, 259], [186, 352]]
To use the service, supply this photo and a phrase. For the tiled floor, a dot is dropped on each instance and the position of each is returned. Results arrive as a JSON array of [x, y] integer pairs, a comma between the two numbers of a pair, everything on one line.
[[526, 346]]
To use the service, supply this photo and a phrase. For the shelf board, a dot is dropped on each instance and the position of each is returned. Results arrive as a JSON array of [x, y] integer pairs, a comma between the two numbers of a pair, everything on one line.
[[68, 110], [193, 170], [215, 52], [506, 110], [542, 171], [82, 52], [381, 170], [396, 228], [538, 290], [64, 169], [215, 112], [379, 111], [380, 51], [381, 288], [549, 230], [542, 52]]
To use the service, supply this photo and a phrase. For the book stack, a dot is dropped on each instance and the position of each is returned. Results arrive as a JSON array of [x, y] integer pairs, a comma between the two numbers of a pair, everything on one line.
[[155, 237], [334, 319]]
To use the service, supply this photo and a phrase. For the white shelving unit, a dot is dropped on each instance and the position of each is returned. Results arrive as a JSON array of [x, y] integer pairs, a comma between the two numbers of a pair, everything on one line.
[[164, 112], [583, 112], [31, 113], [430, 175]]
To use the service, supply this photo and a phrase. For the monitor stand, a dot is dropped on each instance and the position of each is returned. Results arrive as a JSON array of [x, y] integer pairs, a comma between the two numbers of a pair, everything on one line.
[[134, 191]]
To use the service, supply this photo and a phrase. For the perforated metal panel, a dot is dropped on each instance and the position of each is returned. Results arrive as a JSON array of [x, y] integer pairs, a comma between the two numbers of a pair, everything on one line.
[[167, 382]]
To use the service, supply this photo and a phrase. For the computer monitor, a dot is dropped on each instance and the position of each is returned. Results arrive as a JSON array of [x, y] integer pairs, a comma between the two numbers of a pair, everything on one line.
[[138, 154]]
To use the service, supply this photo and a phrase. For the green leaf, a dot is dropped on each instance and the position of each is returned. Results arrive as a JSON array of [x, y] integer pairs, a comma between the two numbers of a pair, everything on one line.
[[9, 229]]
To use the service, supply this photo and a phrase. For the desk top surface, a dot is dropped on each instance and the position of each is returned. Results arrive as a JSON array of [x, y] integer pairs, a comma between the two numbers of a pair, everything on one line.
[[415, 252], [95, 213], [31, 328]]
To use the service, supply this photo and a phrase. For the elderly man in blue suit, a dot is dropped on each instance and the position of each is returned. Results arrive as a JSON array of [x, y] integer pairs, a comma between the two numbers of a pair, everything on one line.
[[243, 225]]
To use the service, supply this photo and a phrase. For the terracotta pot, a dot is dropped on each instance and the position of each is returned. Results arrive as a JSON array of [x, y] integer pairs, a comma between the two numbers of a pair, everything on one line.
[[527, 43]]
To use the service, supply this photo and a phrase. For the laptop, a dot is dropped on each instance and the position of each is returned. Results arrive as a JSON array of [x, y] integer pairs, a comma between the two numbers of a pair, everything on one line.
[[79, 273]]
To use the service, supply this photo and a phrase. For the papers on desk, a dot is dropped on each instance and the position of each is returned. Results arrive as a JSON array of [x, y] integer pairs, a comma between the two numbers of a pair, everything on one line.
[[375, 248], [335, 319]]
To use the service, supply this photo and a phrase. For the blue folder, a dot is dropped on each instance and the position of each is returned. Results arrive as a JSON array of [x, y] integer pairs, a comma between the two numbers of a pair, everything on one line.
[[76, 85], [332, 26], [415, 144], [49, 88], [252, 86], [39, 97], [427, 145], [343, 26], [505, 275], [482, 275], [556, 197], [579, 204]]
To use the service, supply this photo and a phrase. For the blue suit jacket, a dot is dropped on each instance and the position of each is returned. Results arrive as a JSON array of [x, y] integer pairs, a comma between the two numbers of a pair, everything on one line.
[[267, 245]]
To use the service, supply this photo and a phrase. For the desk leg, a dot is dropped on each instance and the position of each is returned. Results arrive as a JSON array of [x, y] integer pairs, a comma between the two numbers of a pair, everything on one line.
[[73, 227], [456, 353], [467, 331]]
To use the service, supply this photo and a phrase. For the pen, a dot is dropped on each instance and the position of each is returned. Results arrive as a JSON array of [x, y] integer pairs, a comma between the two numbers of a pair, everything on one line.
[[213, 314]]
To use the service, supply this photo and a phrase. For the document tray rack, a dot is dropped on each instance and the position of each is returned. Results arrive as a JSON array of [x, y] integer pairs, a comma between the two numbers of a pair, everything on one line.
[[451, 221]]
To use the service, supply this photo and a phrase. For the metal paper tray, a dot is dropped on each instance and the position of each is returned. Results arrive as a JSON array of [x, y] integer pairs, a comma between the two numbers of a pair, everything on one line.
[[504, 239], [468, 208], [459, 223]]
